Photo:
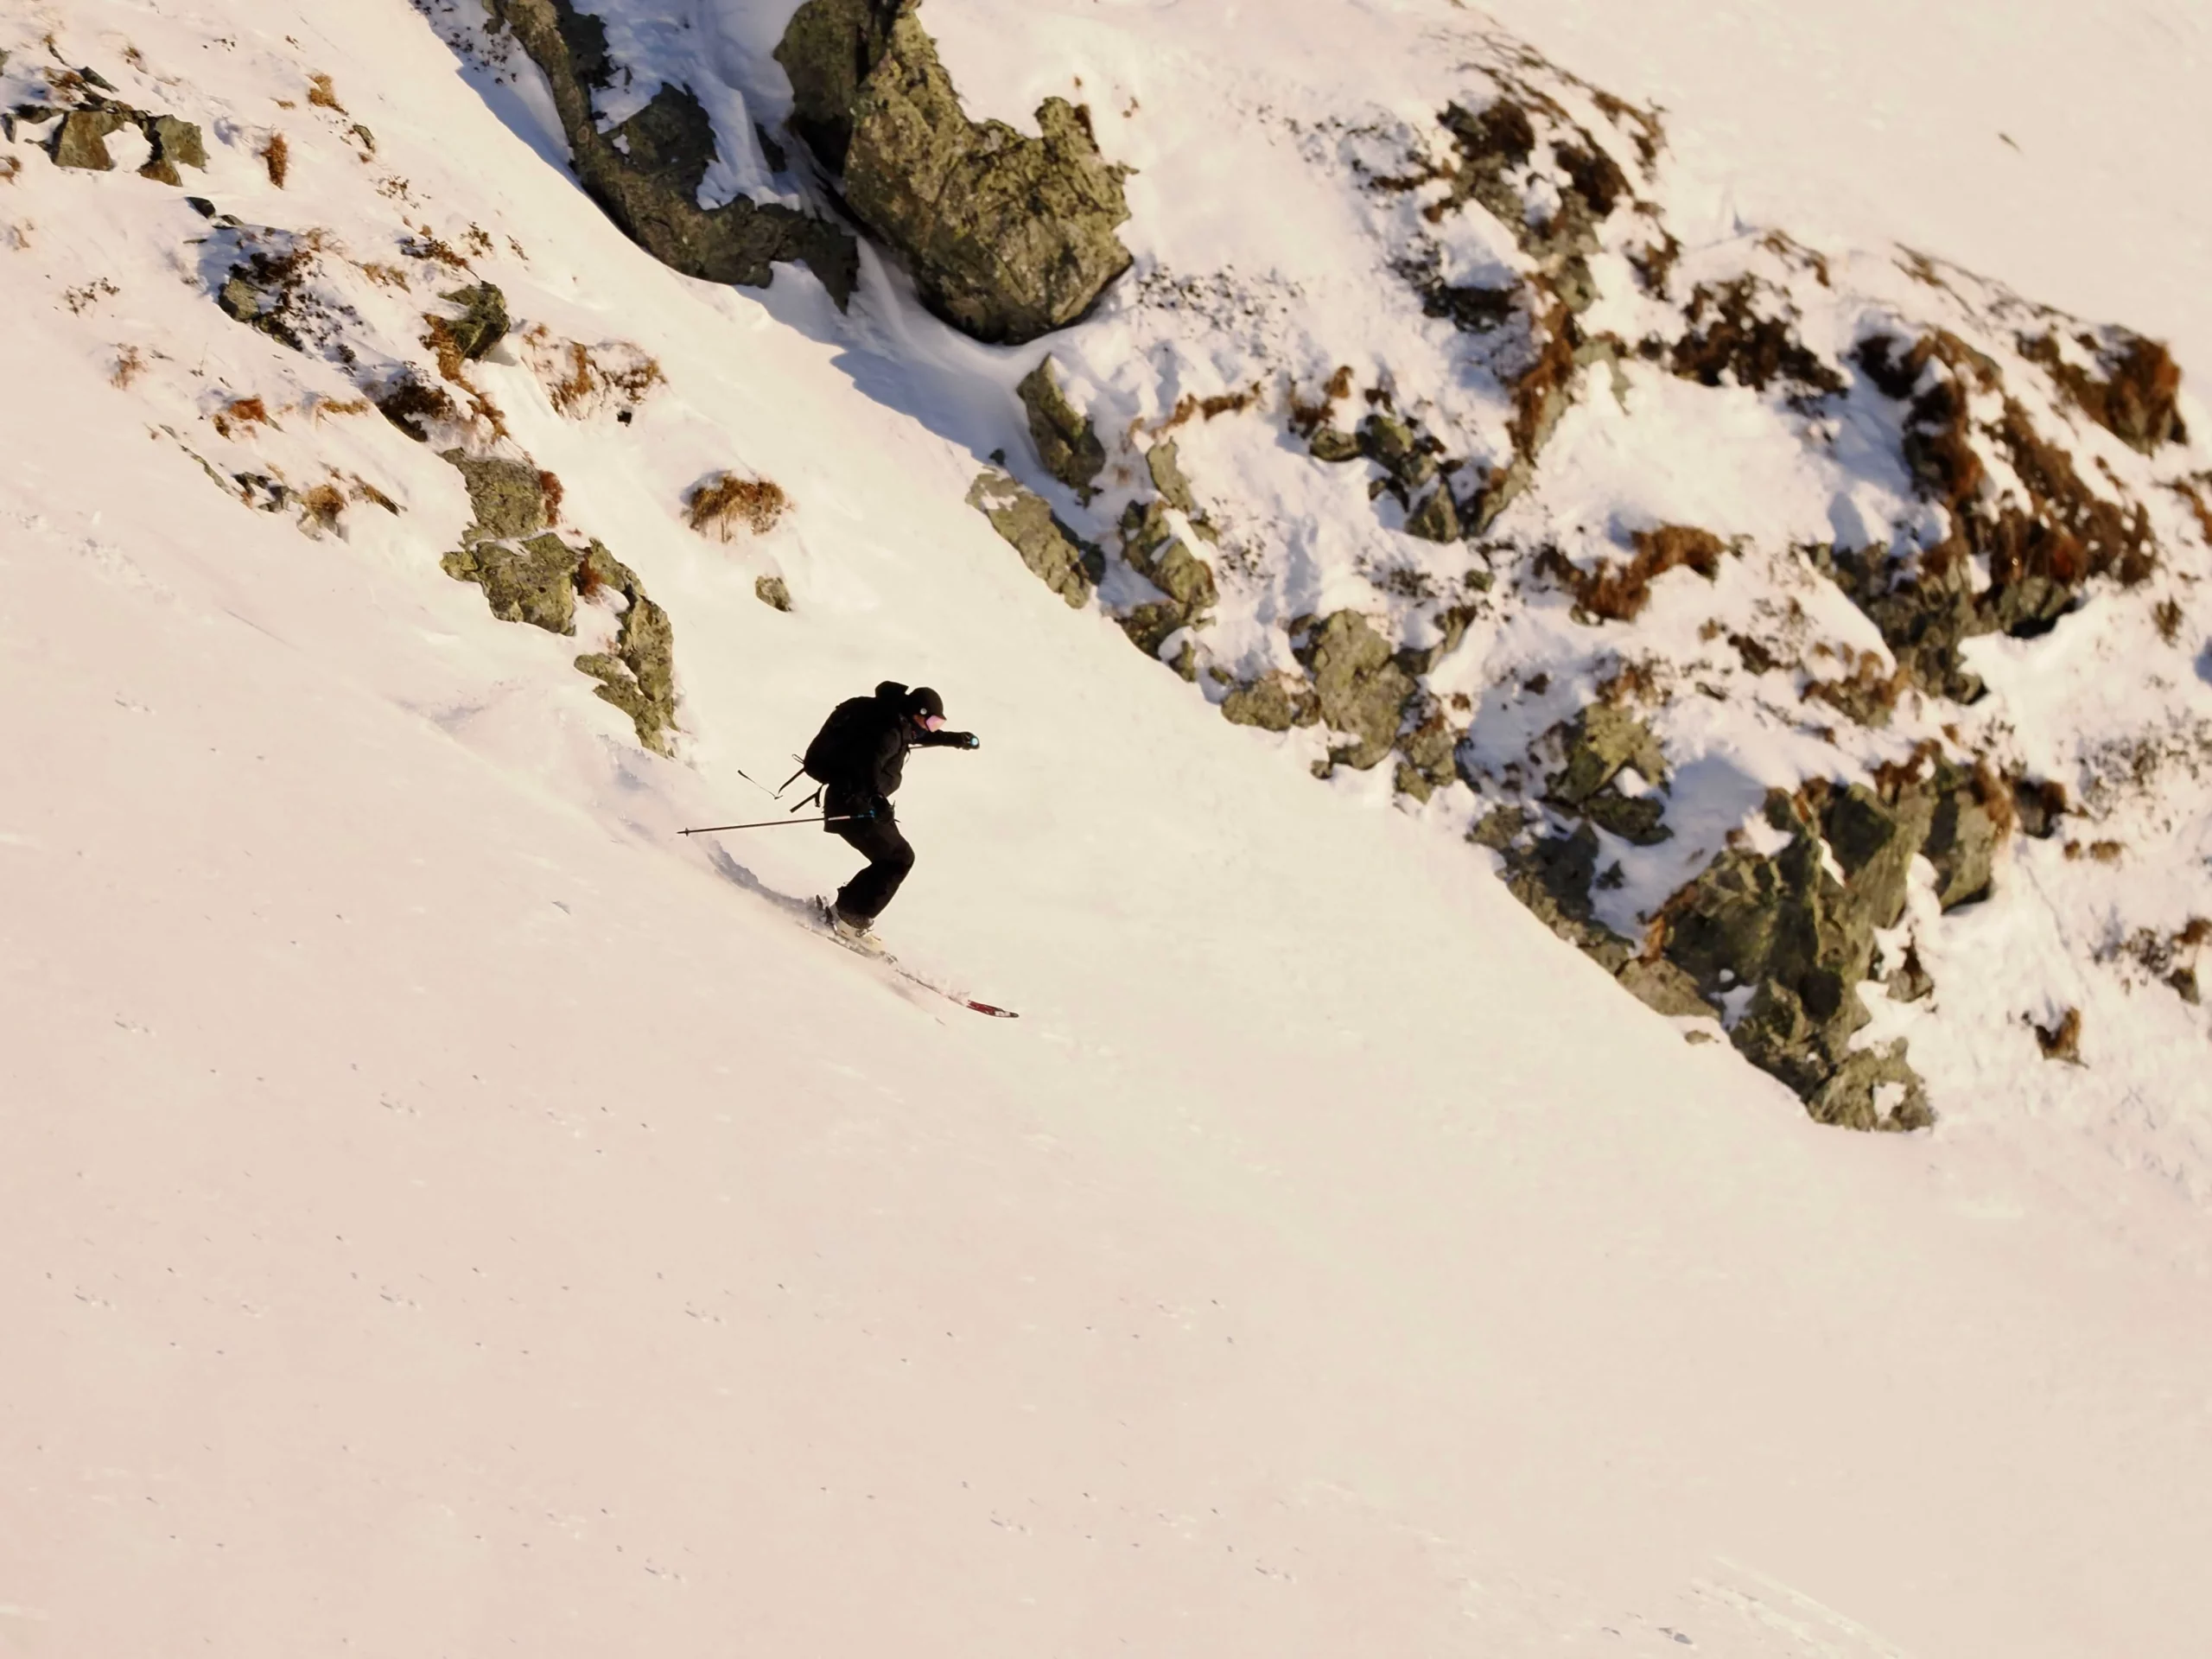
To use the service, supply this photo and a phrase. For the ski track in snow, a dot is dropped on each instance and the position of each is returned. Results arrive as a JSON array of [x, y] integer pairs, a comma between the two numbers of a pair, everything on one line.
[[445, 1212]]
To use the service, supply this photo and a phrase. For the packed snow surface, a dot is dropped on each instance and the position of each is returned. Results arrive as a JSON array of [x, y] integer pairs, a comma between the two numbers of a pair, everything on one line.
[[446, 1212]]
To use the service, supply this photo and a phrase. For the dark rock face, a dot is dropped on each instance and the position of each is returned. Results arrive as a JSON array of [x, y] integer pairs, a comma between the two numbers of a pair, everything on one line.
[[1056, 556], [1783, 928], [1599, 744], [647, 172], [1008, 237]]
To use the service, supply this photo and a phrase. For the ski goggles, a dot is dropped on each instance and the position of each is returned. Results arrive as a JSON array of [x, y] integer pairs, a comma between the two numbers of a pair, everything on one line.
[[932, 723]]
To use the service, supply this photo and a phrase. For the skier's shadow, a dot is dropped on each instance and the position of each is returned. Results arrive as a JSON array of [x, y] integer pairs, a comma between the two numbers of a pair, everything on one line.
[[799, 910]]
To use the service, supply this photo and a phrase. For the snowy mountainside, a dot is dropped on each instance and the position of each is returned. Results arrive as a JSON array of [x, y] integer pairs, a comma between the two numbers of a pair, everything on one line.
[[1414, 402], [445, 1212]]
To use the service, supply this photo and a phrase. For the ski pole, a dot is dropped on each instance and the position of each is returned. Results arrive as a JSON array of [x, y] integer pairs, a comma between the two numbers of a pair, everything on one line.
[[771, 824]]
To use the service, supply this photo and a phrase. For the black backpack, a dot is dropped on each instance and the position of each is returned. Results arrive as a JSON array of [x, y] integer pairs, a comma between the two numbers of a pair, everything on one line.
[[842, 748]]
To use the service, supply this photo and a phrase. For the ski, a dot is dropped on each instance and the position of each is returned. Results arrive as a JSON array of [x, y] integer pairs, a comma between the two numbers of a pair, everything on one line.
[[826, 927]]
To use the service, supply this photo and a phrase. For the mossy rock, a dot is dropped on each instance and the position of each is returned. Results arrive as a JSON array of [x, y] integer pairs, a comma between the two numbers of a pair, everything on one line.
[[1064, 440], [534, 583], [1165, 469], [1008, 237], [508, 495], [1598, 744], [483, 321], [1056, 556], [1362, 690], [1274, 702]]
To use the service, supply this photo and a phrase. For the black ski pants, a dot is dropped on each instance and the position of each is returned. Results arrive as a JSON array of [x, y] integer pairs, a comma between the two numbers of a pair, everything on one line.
[[888, 857]]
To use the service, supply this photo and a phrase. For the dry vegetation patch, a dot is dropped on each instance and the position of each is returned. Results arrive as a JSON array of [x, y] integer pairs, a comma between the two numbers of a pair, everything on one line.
[[726, 503], [276, 155]]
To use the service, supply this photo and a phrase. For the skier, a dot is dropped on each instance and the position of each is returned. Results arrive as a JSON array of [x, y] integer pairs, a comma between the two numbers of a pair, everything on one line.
[[859, 757]]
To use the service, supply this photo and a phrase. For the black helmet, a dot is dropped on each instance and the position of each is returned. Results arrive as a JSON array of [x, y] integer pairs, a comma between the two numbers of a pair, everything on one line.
[[921, 703]]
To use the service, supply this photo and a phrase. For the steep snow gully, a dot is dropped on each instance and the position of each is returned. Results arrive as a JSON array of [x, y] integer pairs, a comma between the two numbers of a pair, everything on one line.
[[445, 1211]]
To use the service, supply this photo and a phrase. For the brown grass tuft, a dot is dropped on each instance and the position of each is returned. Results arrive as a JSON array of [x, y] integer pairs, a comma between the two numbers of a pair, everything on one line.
[[426, 244], [323, 95], [129, 365], [276, 156], [9, 168], [580, 380], [1618, 591], [2132, 395], [550, 485], [2107, 852], [323, 505], [385, 276], [726, 503], [323, 406], [241, 412], [2166, 616], [438, 340], [1868, 694], [2063, 1040]]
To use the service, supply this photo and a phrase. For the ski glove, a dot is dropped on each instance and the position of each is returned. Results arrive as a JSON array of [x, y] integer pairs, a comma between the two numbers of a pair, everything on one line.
[[970, 741]]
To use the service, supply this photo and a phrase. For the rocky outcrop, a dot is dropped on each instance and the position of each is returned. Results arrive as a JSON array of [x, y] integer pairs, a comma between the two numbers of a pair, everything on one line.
[[539, 581], [2041, 538], [1065, 440], [509, 495], [81, 138], [482, 322], [533, 581], [1361, 690], [1008, 237], [1274, 702], [1056, 556], [1599, 745], [646, 172], [638, 676]]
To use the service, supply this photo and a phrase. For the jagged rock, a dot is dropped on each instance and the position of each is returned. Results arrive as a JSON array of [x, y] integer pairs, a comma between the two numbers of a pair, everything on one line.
[[533, 583], [638, 676], [1874, 841], [646, 173], [1151, 625], [482, 323], [1659, 985], [1499, 828], [1064, 440], [1361, 689], [1428, 751], [509, 495], [81, 139], [772, 592], [1008, 237], [1058, 557], [1910, 981], [1275, 702], [1802, 942], [1636, 819], [1165, 559], [1552, 877], [1397, 449], [1166, 473], [1852, 1098], [1333, 445], [176, 143], [1598, 743], [1436, 519], [828, 51], [1963, 837]]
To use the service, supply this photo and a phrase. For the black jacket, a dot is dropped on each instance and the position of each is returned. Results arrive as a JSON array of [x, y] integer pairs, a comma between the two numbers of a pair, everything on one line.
[[879, 750]]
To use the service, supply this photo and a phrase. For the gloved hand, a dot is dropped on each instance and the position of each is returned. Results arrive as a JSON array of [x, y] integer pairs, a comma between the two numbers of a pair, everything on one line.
[[970, 741]]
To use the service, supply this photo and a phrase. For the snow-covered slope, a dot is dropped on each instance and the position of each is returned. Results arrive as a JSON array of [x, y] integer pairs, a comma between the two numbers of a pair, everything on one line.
[[448, 1212]]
